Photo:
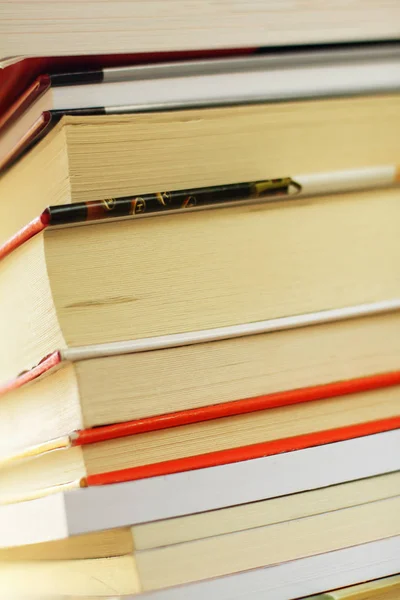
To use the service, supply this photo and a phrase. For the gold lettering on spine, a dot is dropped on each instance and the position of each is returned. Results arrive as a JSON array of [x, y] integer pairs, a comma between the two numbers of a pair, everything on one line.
[[163, 198], [109, 203], [138, 206]]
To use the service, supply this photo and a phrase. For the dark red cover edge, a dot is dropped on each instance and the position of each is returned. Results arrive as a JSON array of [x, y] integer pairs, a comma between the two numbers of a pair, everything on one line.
[[34, 134], [233, 455], [32, 93]]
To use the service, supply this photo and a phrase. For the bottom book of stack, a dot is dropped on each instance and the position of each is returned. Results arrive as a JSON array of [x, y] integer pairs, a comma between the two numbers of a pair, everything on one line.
[[278, 527]]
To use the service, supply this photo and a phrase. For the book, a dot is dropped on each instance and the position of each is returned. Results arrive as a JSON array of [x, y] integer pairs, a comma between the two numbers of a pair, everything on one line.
[[92, 28], [146, 536], [303, 576], [181, 563], [213, 81], [101, 576], [83, 158], [101, 544], [380, 589], [75, 512]]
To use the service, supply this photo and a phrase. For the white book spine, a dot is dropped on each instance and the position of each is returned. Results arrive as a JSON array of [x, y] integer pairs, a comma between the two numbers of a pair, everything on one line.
[[298, 578], [196, 491]]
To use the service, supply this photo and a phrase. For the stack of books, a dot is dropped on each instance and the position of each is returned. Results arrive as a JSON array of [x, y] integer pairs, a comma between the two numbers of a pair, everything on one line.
[[199, 327]]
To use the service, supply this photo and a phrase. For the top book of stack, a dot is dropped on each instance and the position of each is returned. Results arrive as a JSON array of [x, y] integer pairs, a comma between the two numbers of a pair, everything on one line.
[[53, 28]]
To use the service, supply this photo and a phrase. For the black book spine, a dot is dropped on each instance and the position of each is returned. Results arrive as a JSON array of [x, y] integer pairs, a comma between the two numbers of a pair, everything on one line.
[[168, 201], [78, 78]]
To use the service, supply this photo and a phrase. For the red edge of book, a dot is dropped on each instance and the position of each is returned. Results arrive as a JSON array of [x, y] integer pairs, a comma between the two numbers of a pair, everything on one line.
[[39, 128], [47, 363], [25, 100], [23, 235], [233, 455], [236, 407]]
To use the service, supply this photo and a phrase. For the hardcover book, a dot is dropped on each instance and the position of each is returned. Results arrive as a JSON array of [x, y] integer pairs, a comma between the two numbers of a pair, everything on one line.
[[211, 81], [115, 156]]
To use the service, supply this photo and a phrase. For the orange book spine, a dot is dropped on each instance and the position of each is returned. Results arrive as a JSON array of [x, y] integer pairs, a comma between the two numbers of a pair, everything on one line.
[[233, 455], [237, 407], [47, 363], [24, 234]]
